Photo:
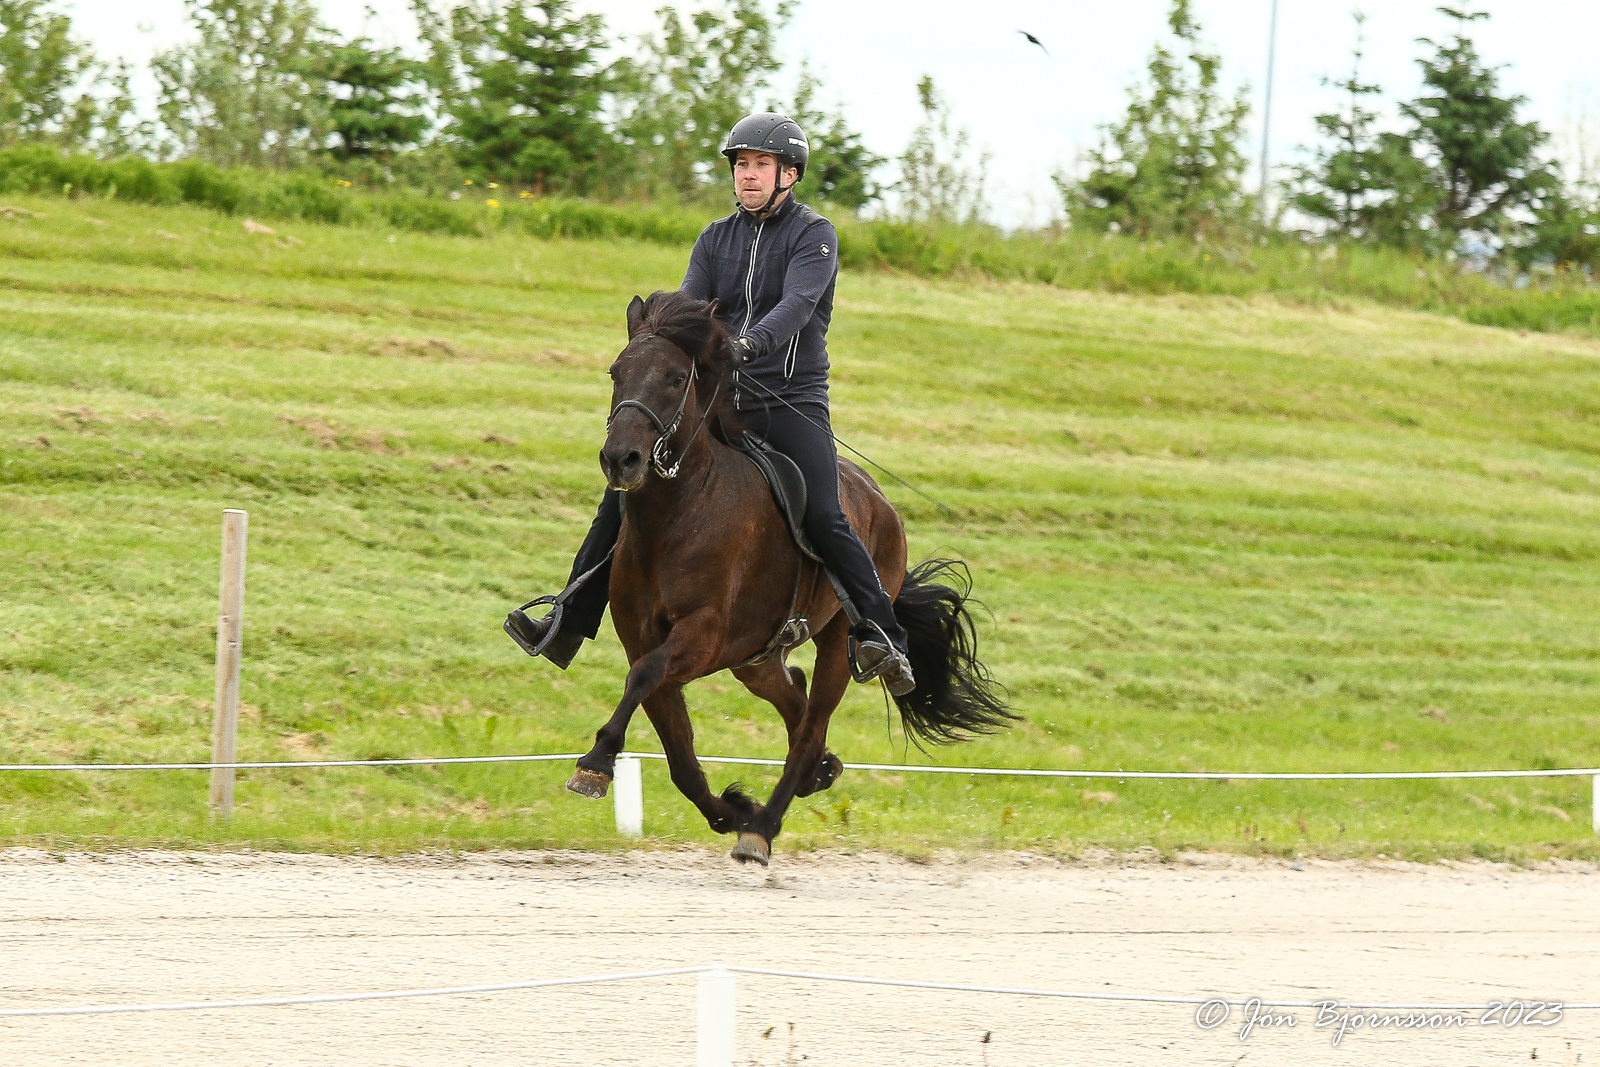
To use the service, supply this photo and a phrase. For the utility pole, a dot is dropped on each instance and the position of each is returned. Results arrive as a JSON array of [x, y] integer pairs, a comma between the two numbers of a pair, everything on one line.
[[1266, 109]]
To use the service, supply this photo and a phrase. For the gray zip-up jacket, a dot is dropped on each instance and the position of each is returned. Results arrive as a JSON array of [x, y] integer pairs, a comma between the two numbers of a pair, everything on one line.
[[773, 282]]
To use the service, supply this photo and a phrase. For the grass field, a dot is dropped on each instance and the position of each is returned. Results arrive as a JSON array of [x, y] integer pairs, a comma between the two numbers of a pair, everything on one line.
[[1213, 533]]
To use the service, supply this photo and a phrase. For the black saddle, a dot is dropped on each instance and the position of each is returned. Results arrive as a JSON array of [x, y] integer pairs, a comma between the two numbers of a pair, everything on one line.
[[788, 487]]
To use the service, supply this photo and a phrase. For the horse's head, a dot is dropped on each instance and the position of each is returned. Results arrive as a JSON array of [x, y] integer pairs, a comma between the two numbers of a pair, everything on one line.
[[674, 363]]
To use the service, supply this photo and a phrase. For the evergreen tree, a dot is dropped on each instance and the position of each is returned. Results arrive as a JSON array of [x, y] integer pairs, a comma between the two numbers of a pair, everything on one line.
[[1338, 183], [1174, 164], [678, 98], [522, 88], [840, 170], [248, 91], [1483, 165], [377, 100], [1367, 185]]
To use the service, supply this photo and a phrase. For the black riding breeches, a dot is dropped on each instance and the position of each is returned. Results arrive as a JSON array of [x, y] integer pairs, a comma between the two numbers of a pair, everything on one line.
[[587, 606], [805, 438]]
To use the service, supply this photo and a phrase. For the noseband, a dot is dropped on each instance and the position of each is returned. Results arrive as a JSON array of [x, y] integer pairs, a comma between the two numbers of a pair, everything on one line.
[[665, 430]]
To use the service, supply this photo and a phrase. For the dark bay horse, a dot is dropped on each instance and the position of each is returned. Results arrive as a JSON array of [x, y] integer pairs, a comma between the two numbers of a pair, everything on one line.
[[706, 574]]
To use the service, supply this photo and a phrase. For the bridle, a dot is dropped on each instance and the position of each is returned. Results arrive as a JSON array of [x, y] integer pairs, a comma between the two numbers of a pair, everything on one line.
[[665, 430]]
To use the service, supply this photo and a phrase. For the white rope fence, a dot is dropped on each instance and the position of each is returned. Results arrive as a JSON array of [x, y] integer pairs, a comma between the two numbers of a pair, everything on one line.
[[628, 793], [717, 1009]]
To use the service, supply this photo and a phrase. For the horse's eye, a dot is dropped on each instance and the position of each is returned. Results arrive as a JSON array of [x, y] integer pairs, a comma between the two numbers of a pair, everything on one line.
[[678, 379]]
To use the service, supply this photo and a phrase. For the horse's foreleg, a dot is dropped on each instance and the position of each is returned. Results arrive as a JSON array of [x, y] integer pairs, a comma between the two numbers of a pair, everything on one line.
[[595, 767], [807, 745]]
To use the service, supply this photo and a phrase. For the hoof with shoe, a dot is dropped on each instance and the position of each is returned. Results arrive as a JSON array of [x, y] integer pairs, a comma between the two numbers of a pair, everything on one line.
[[827, 772], [591, 784], [752, 848]]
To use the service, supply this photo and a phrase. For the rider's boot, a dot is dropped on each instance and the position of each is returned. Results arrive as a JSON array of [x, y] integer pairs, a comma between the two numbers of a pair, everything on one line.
[[576, 611], [544, 637], [873, 655]]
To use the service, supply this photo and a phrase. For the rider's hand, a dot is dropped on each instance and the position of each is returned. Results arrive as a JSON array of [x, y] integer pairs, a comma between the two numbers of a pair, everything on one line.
[[743, 350]]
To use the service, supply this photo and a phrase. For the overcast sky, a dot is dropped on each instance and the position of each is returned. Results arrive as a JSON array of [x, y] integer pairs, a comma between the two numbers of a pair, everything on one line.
[[1037, 112]]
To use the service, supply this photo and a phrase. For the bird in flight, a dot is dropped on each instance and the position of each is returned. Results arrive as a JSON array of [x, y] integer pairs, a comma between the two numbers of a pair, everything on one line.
[[1034, 40]]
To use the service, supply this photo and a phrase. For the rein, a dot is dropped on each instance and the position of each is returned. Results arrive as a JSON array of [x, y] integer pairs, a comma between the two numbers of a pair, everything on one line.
[[665, 430]]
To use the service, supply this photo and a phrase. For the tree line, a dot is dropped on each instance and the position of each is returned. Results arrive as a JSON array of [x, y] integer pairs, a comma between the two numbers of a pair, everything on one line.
[[1466, 174], [520, 92], [529, 95]]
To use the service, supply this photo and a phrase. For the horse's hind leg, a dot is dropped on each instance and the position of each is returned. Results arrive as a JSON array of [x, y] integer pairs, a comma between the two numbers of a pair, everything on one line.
[[807, 744], [785, 689], [670, 718]]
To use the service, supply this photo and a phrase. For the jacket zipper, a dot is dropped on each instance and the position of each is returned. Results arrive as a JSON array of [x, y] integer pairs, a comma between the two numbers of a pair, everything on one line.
[[749, 279], [794, 350], [749, 299]]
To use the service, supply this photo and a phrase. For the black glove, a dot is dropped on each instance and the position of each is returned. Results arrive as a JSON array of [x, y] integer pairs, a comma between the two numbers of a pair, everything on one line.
[[743, 350]]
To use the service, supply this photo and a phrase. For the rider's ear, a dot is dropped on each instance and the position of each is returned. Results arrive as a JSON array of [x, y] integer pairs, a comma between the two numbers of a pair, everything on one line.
[[635, 316]]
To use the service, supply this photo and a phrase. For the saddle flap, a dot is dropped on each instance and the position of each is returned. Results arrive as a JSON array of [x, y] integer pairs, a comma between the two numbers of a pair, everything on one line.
[[788, 487]]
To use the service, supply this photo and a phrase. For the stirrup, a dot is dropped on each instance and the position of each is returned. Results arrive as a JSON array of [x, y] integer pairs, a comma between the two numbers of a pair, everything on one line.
[[893, 666], [517, 619]]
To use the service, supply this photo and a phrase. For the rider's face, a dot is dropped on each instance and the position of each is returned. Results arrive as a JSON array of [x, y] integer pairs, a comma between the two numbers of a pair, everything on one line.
[[754, 174]]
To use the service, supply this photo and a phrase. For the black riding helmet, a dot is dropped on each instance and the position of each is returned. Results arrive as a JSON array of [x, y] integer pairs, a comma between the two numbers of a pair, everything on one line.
[[775, 134]]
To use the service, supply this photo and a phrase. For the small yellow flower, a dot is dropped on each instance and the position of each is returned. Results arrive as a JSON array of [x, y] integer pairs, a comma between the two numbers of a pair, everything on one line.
[[494, 185], [525, 195], [492, 203], [342, 183], [468, 181], [1206, 257]]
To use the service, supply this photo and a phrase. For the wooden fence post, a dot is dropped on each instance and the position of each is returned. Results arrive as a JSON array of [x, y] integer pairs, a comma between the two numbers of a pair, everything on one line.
[[230, 631]]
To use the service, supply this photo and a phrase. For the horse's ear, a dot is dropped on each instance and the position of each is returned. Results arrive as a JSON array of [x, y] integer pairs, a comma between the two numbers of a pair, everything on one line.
[[716, 350], [635, 315]]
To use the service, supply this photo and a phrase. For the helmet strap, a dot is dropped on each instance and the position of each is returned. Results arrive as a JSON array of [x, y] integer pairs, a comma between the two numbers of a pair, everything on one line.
[[777, 187]]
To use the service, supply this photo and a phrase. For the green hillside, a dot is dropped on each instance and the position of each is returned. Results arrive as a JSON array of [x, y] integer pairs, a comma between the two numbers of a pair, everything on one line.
[[1213, 533]]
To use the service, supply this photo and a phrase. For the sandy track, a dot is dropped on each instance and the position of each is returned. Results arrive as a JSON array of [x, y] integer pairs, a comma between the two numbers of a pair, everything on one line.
[[162, 927]]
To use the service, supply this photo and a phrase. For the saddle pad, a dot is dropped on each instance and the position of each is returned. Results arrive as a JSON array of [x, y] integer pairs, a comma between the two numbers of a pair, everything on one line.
[[787, 484]]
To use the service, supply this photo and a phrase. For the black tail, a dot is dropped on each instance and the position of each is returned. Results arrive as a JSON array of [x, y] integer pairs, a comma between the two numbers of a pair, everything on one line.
[[955, 698]]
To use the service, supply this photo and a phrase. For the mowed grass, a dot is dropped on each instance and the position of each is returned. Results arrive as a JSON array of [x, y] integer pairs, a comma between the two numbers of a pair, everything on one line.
[[1210, 533]]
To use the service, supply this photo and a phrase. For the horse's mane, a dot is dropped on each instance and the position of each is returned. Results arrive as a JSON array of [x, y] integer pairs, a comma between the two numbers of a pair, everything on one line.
[[692, 325]]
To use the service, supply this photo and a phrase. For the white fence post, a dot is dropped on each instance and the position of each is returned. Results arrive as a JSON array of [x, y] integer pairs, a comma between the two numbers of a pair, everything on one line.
[[1597, 803], [230, 631], [714, 1040], [627, 796]]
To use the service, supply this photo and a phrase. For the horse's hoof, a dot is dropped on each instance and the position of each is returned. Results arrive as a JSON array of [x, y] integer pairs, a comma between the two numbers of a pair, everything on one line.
[[827, 772], [591, 784], [752, 848]]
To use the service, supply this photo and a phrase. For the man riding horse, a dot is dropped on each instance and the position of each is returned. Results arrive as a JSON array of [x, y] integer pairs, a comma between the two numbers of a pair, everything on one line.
[[770, 267]]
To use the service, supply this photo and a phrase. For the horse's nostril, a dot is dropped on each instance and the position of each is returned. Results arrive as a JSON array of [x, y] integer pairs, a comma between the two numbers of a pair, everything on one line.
[[632, 460]]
